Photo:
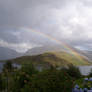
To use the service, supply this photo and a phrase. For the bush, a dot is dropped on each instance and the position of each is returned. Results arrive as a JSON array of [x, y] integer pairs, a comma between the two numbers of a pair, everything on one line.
[[49, 81], [74, 71], [90, 74], [22, 76], [2, 83], [8, 67]]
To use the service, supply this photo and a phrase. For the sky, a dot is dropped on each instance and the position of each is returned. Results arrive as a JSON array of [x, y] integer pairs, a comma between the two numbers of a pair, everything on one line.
[[22, 23]]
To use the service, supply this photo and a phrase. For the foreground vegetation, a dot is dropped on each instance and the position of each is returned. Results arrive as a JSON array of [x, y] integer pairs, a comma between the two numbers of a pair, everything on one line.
[[29, 79]]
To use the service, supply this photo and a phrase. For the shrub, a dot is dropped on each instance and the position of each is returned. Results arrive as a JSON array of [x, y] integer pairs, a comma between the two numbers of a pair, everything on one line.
[[90, 74], [8, 67], [2, 83], [22, 76], [74, 71], [49, 81]]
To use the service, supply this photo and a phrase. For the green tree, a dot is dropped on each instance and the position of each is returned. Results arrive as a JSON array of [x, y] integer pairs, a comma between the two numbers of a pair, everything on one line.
[[90, 74], [73, 71], [49, 81], [2, 86], [7, 74], [22, 77], [8, 67]]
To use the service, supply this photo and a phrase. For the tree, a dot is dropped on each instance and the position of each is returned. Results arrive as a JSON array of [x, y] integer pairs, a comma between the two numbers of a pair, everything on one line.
[[22, 77], [73, 71], [49, 81], [1, 83], [8, 67], [7, 74]]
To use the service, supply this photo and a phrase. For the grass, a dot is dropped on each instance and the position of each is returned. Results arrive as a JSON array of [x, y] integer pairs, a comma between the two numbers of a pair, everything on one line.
[[72, 59]]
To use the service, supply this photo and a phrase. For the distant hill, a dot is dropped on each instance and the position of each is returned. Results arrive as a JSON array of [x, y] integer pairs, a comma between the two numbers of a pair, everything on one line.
[[6, 53], [52, 58], [58, 48], [88, 54], [85, 53], [44, 49], [47, 55]]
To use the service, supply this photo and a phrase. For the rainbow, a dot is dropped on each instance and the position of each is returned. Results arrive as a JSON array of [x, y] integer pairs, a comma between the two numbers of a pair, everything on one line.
[[65, 45]]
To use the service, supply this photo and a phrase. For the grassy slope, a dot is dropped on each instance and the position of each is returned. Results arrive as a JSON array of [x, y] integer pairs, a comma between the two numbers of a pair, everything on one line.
[[53, 58], [72, 59]]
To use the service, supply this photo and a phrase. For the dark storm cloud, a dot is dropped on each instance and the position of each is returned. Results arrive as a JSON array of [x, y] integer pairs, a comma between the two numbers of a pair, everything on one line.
[[23, 12], [67, 20]]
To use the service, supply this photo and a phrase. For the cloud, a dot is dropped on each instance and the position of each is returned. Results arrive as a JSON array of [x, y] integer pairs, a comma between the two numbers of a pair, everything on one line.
[[21, 47], [65, 20]]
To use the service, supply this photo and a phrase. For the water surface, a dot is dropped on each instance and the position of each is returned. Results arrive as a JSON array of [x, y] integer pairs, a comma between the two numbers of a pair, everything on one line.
[[85, 70]]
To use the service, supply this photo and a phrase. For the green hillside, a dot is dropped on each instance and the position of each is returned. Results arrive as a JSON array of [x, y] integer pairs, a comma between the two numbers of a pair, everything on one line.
[[52, 58]]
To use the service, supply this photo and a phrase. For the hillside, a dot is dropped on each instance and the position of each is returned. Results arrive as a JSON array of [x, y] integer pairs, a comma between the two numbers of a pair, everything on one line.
[[58, 48], [6, 53], [52, 58], [44, 49], [88, 54]]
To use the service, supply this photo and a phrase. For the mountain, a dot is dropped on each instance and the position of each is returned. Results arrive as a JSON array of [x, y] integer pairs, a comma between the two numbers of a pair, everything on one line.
[[6, 53], [52, 58], [88, 54], [44, 49], [58, 48], [84, 53], [46, 55]]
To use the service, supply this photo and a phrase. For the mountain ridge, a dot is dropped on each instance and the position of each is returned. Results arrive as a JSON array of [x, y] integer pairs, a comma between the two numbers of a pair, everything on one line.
[[55, 55], [7, 53], [52, 58]]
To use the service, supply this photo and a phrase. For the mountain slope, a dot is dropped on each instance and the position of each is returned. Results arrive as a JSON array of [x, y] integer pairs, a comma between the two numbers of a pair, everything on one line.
[[6, 53], [58, 48], [52, 58], [44, 49], [88, 54], [85, 53]]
